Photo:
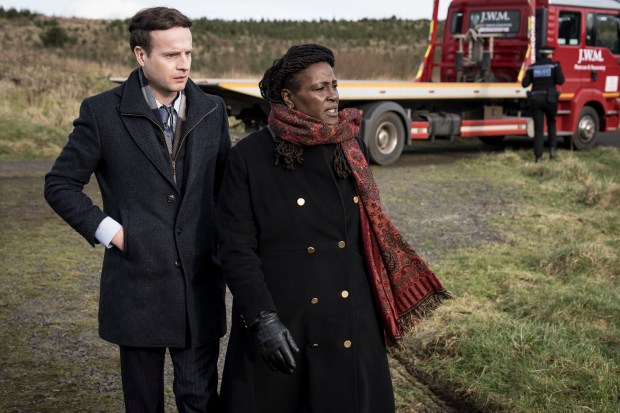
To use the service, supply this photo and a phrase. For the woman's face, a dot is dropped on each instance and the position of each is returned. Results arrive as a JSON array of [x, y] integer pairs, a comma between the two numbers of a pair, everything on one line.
[[317, 93]]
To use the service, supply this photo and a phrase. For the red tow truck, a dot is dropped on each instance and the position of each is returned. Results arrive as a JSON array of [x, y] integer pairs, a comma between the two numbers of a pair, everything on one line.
[[495, 41], [468, 84]]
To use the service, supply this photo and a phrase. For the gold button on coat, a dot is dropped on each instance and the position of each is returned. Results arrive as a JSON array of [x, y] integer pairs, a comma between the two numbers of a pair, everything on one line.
[[311, 250], [341, 244], [314, 300], [347, 344], [301, 201], [356, 199], [344, 294]]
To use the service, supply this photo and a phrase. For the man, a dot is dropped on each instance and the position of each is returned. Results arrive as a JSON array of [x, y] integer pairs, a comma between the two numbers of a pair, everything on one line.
[[543, 99], [157, 145]]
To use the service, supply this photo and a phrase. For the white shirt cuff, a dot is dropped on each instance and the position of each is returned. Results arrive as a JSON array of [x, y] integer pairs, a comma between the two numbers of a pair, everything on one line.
[[106, 230]]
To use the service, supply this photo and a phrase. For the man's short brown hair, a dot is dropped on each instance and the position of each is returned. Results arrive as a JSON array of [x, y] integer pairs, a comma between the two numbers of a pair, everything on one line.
[[153, 18]]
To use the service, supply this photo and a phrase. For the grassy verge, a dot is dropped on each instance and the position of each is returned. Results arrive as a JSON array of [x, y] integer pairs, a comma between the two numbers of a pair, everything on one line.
[[536, 325], [46, 141]]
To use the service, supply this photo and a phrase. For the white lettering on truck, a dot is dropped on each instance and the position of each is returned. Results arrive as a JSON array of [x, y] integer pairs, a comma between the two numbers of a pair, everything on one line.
[[590, 55], [494, 16]]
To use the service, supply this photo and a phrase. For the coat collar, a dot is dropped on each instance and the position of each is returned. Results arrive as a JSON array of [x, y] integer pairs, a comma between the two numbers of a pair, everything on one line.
[[134, 104], [136, 114]]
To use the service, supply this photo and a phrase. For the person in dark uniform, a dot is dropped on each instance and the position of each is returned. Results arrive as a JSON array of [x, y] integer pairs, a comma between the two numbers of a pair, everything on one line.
[[543, 99], [320, 278]]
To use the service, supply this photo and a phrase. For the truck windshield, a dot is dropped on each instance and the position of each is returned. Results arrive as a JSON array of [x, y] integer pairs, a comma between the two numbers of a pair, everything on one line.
[[602, 31], [495, 21]]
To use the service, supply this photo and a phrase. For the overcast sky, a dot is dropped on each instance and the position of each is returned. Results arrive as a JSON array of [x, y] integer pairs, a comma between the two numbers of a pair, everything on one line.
[[237, 9]]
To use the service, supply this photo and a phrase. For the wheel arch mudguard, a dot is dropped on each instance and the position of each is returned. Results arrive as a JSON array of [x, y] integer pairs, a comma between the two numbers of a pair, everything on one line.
[[592, 98]]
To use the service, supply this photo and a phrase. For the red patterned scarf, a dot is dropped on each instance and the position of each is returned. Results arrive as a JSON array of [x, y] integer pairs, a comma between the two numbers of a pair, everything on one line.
[[405, 287]]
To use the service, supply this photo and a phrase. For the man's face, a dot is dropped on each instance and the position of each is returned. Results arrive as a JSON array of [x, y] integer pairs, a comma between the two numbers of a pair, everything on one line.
[[168, 64]]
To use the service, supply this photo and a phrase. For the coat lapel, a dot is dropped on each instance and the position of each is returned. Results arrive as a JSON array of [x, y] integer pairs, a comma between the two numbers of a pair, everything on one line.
[[199, 107], [141, 124]]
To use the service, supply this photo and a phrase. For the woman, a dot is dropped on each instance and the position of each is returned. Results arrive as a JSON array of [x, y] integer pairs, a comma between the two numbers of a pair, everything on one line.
[[304, 248]]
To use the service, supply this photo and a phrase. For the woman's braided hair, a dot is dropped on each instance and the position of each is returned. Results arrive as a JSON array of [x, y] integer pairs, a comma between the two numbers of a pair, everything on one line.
[[283, 72]]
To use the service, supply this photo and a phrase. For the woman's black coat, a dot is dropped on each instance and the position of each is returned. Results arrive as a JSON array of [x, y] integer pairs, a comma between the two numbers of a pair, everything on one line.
[[289, 242]]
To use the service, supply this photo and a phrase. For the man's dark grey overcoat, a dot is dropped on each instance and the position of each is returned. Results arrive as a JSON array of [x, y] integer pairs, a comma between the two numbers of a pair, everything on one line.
[[166, 288]]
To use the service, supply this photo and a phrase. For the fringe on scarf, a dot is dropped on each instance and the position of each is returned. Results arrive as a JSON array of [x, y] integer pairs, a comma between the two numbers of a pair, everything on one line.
[[409, 320]]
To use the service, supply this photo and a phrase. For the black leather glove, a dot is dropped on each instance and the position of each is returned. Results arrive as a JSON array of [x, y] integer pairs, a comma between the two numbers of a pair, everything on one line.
[[275, 343]]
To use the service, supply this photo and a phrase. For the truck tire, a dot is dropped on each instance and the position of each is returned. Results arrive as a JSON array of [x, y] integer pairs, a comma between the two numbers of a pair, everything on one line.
[[587, 128], [385, 138]]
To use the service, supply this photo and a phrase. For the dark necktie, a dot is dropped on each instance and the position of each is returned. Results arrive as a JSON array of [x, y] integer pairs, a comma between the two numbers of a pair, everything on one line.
[[167, 118]]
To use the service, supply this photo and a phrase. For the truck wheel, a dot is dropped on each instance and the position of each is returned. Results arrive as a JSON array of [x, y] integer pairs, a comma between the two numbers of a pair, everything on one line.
[[386, 139], [587, 128]]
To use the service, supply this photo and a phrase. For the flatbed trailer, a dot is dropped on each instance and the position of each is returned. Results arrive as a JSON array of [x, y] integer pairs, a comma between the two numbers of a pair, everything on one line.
[[387, 110]]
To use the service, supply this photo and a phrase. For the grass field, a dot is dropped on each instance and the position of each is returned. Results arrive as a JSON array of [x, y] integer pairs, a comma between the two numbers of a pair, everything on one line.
[[536, 325], [529, 250]]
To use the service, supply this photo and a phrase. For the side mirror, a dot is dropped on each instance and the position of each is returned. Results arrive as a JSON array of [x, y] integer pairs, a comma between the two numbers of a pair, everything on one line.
[[593, 76]]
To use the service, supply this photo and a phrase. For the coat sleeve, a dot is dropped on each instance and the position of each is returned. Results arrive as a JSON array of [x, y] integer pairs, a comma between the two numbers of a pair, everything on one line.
[[558, 74], [238, 236], [527, 79], [65, 182]]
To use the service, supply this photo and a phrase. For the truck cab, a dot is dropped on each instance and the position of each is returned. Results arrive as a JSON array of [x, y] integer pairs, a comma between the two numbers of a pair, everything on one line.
[[494, 41], [586, 36]]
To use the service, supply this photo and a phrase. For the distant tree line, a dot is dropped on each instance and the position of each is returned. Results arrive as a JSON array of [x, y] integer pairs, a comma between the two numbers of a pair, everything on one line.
[[13, 13], [366, 48]]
